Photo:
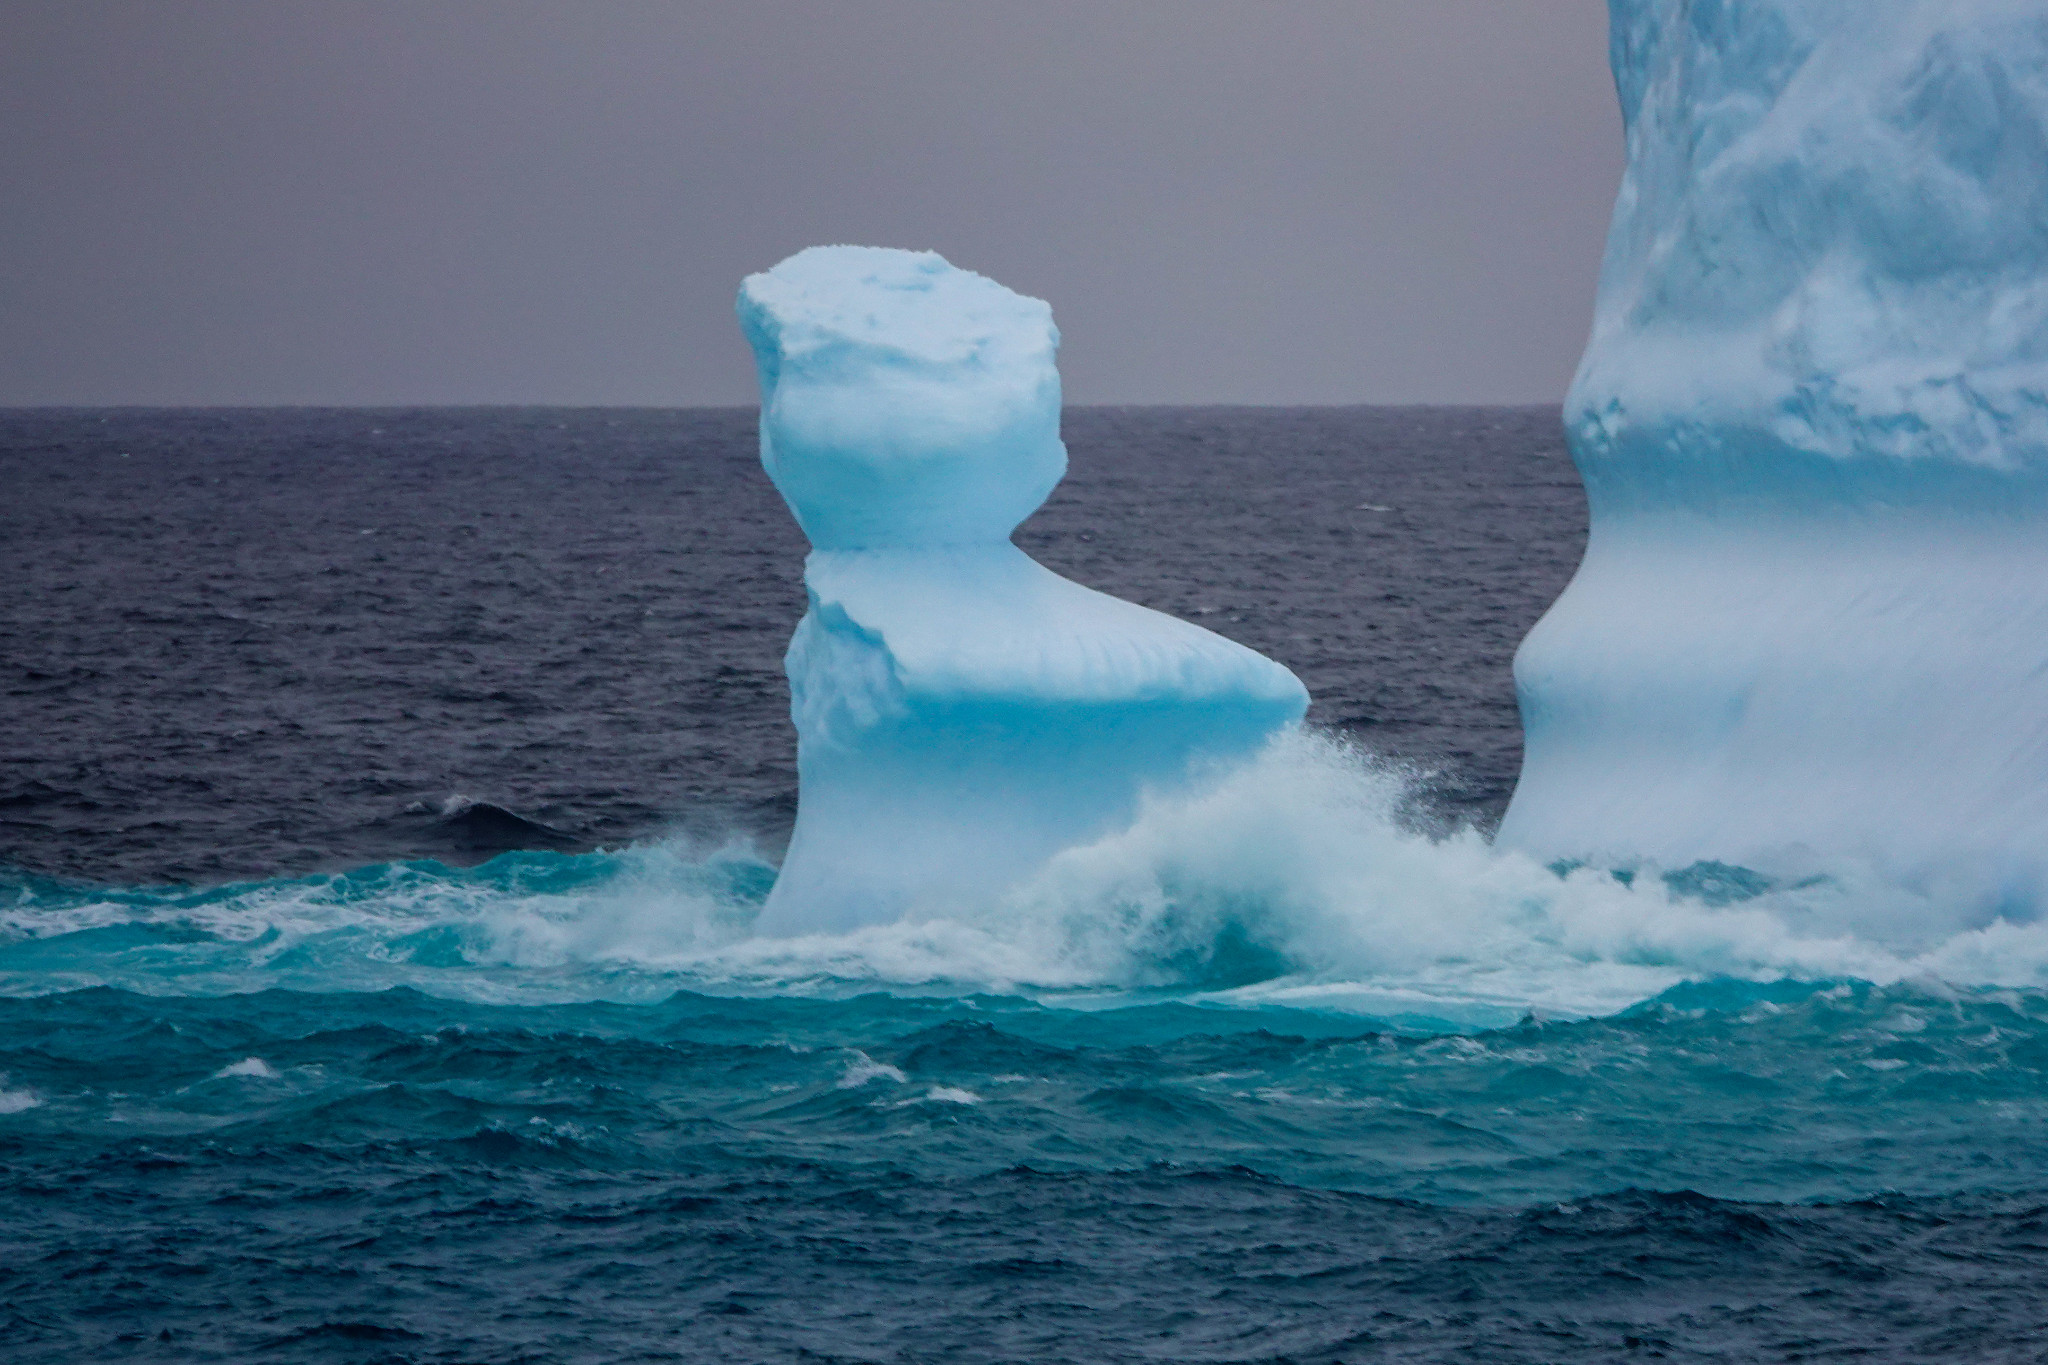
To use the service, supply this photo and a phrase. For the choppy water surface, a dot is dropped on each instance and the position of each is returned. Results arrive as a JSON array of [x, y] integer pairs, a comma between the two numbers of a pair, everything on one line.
[[386, 799]]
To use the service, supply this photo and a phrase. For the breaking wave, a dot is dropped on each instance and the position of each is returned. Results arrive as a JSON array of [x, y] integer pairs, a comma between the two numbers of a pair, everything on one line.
[[1295, 880]]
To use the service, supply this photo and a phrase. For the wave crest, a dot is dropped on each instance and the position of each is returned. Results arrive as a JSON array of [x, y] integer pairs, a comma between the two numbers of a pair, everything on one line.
[[1294, 878]]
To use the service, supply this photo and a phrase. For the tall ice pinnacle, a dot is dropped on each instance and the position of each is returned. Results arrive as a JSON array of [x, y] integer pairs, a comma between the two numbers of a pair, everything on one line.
[[962, 713], [1811, 627]]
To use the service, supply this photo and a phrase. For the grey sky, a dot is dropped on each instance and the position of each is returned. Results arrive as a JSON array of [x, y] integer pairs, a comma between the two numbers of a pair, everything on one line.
[[341, 202]]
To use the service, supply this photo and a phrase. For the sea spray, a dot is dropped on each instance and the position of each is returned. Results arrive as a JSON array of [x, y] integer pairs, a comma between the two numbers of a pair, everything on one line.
[[1296, 878]]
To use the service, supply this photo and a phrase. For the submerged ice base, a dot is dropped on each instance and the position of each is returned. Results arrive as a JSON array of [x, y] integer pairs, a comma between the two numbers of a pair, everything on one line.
[[1812, 621], [962, 713]]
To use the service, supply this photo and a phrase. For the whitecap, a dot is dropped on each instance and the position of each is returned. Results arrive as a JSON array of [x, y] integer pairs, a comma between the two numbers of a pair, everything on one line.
[[253, 1067], [863, 1068]]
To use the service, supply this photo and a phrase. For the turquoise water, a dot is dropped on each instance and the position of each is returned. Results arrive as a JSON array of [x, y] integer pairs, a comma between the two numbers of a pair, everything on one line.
[[1296, 1068], [385, 1116], [528, 997]]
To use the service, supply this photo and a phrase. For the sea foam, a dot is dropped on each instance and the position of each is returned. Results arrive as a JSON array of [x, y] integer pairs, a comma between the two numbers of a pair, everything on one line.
[[1295, 879]]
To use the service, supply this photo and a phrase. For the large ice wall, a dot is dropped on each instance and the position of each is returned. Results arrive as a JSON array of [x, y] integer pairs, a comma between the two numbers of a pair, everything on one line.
[[962, 713], [1812, 621]]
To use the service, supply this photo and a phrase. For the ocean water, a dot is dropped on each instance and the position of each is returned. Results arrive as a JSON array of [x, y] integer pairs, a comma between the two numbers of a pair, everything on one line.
[[385, 798]]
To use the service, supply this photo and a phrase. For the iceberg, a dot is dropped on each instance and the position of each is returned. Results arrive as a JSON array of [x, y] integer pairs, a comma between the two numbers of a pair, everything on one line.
[[962, 713], [1811, 624]]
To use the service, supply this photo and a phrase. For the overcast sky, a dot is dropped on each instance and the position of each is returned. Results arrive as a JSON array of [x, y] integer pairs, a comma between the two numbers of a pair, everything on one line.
[[494, 202]]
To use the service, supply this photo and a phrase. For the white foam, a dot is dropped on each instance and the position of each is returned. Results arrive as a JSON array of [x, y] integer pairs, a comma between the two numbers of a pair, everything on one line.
[[254, 1067], [945, 1094], [1302, 858], [1294, 875], [863, 1068]]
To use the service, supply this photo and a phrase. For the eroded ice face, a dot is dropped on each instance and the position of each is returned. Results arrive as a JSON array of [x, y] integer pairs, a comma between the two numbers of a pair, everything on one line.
[[1811, 627], [1828, 264], [963, 714], [904, 401]]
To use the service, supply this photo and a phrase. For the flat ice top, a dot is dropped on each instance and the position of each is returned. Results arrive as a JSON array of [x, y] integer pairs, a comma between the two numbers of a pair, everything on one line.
[[991, 623], [911, 306], [904, 401]]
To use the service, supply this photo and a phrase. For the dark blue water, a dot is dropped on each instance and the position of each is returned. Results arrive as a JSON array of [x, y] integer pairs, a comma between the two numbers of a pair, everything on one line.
[[385, 799]]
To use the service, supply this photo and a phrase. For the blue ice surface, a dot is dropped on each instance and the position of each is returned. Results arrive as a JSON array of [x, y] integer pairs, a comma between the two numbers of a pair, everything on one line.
[[962, 713], [1811, 626]]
